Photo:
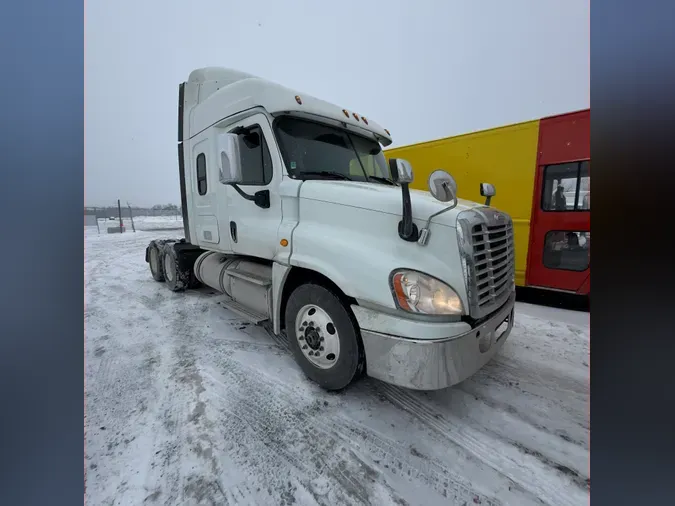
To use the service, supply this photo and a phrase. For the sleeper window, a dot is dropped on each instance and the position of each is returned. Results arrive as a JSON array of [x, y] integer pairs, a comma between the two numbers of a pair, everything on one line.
[[201, 174]]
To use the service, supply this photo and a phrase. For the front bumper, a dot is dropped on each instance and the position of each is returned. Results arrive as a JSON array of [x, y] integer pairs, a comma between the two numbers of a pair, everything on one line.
[[432, 364]]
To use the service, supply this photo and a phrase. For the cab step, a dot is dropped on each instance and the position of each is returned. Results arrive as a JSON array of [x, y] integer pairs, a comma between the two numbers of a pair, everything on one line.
[[241, 310]]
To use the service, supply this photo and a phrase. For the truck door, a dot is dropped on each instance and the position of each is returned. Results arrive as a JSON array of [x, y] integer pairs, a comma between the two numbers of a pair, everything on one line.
[[560, 236], [208, 195], [252, 229]]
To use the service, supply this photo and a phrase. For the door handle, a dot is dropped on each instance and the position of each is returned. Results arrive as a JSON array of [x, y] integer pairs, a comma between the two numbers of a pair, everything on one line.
[[233, 231]]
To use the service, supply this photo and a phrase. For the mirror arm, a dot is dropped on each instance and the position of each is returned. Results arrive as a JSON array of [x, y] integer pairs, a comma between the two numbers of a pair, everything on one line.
[[424, 234], [241, 192], [487, 200], [407, 230], [260, 198]]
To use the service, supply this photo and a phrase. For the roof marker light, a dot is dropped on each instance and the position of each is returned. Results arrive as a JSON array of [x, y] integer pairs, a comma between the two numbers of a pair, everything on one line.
[[387, 132], [356, 116], [346, 112], [364, 119], [298, 99]]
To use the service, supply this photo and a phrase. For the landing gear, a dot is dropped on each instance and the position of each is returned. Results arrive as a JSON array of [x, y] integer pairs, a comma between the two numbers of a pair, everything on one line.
[[324, 337]]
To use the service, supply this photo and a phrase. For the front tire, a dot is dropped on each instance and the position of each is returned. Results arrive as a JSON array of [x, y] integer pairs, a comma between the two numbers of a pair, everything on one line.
[[324, 337]]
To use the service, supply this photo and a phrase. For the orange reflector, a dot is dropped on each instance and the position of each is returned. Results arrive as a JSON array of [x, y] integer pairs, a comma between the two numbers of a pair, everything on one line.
[[356, 116], [346, 112], [400, 294], [283, 242], [298, 99], [364, 119]]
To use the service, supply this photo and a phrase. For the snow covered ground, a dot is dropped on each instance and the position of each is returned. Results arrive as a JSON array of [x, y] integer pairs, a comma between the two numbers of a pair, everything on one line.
[[186, 404]]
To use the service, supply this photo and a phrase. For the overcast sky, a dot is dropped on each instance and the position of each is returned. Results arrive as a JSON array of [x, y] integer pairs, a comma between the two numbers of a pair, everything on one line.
[[424, 70]]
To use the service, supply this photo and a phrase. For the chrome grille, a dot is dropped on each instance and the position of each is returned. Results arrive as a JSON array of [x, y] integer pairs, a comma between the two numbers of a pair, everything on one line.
[[486, 242]]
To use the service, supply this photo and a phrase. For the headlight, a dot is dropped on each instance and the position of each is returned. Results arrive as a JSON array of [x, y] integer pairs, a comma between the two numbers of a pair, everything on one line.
[[420, 293]]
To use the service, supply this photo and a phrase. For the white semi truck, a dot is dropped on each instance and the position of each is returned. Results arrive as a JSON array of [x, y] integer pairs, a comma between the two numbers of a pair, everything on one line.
[[292, 213]]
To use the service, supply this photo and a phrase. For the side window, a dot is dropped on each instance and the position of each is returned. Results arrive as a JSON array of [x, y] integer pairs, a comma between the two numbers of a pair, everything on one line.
[[567, 250], [256, 162], [566, 187], [201, 173], [584, 201]]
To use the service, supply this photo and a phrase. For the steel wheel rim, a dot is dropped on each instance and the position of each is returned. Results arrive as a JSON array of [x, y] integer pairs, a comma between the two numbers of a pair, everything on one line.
[[317, 336], [169, 267], [154, 260]]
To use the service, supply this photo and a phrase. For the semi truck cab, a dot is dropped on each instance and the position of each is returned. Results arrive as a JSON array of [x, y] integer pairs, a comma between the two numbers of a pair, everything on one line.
[[292, 213]]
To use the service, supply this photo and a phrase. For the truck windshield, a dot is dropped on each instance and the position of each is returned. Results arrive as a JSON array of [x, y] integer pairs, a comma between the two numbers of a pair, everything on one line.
[[314, 150]]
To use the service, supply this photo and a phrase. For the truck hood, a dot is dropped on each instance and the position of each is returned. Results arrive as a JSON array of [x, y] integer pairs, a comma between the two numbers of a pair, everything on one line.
[[382, 198]]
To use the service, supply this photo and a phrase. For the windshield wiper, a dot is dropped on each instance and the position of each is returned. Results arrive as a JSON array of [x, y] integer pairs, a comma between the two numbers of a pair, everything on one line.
[[328, 173], [382, 180]]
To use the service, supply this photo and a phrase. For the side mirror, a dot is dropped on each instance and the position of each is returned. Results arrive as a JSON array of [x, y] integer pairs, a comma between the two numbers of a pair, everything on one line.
[[442, 186], [401, 170], [488, 191], [230, 168], [230, 159]]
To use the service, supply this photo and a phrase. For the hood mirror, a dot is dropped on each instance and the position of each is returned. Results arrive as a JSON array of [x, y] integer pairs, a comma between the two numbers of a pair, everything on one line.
[[488, 191], [443, 188]]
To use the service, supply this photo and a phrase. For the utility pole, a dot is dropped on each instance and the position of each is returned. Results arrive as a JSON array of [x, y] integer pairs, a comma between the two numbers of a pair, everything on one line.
[[131, 216], [119, 210]]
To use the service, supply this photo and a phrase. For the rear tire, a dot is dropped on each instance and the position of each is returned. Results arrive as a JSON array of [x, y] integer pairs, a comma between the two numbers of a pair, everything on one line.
[[176, 279], [155, 260], [324, 337]]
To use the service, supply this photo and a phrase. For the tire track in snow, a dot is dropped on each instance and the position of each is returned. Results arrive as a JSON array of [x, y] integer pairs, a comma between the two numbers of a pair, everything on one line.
[[510, 370], [534, 398], [330, 447], [391, 455], [517, 464], [205, 484], [485, 393], [182, 436], [270, 441], [556, 446], [167, 434]]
